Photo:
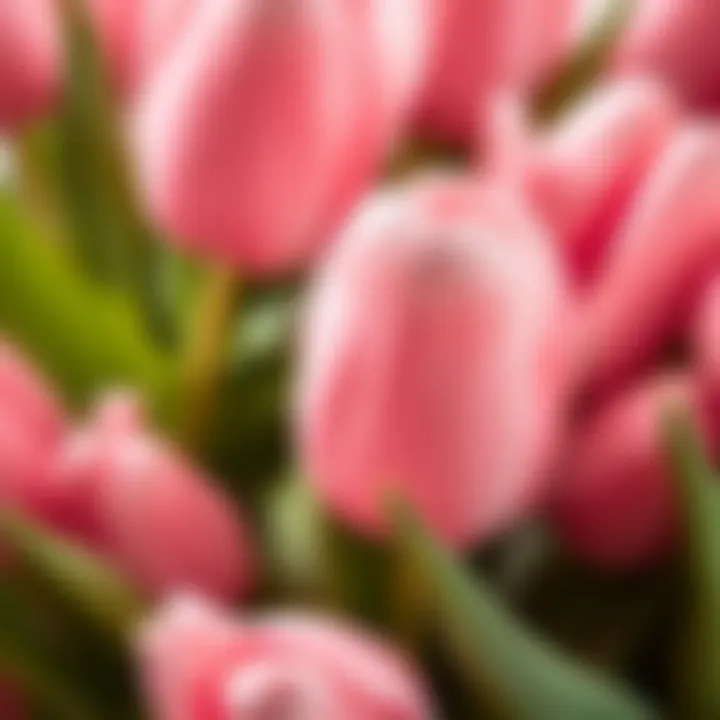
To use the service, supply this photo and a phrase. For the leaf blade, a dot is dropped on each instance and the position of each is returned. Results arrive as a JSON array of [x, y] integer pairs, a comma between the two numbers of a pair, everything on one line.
[[587, 63], [699, 497], [515, 673]]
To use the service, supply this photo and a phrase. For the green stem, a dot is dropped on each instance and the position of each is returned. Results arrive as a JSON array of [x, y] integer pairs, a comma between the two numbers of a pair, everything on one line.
[[204, 357], [411, 603]]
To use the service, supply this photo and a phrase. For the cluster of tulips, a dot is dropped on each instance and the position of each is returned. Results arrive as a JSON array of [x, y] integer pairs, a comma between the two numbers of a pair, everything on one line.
[[487, 342]]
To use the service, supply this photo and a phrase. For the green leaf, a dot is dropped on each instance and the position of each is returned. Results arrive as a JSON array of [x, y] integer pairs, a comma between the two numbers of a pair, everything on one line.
[[75, 576], [85, 336], [419, 154], [249, 429], [700, 512], [588, 62], [294, 537], [316, 558], [605, 619], [107, 228], [514, 674], [29, 659]]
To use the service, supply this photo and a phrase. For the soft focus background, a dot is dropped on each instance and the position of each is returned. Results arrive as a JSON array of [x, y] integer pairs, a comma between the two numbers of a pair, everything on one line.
[[359, 359]]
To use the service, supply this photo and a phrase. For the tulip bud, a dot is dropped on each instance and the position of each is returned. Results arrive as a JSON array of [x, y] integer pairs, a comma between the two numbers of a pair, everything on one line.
[[117, 27], [12, 705], [486, 47], [706, 348], [161, 23], [404, 34], [433, 360], [659, 262], [584, 174], [267, 119], [615, 504], [30, 52], [390, 45], [32, 426], [676, 40], [707, 338], [163, 523], [200, 664]]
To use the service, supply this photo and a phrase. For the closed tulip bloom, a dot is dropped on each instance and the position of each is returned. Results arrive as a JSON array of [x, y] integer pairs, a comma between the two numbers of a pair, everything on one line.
[[32, 426], [12, 704], [30, 51], [200, 664], [116, 24], [485, 47], [149, 510], [584, 173], [707, 338], [161, 24], [659, 262], [265, 119], [615, 504], [433, 360], [237, 134], [404, 35], [676, 40], [390, 45]]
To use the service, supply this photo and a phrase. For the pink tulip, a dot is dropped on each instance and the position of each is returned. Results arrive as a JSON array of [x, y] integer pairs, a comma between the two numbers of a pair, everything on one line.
[[161, 24], [659, 262], [117, 27], [433, 360], [707, 338], [615, 505], [391, 45], [265, 120], [200, 664], [405, 33], [584, 173], [237, 134], [676, 41], [32, 53], [32, 426], [12, 704], [628, 188], [29, 60], [706, 347], [161, 520], [486, 47]]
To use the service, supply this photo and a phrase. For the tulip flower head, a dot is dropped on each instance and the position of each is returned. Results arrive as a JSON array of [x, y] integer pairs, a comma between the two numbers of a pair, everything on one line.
[[200, 664], [161, 24], [432, 364], [488, 47], [660, 261], [12, 704], [117, 28], [584, 173], [32, 427], [628, 187], [391, 45], [237, 133], [616, 505], [32, 53], [675, 40], [149, 510], [707, 337], [30, 50], [264, 120]]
